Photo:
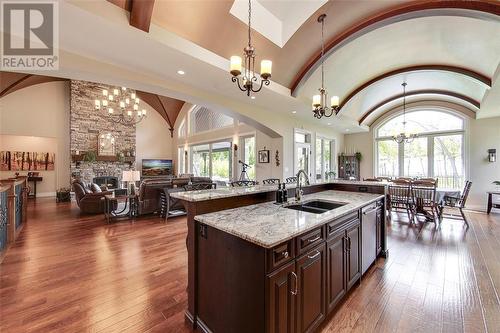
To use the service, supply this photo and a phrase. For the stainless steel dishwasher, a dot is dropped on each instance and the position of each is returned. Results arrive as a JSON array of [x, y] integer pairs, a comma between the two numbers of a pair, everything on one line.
[[368, 236]]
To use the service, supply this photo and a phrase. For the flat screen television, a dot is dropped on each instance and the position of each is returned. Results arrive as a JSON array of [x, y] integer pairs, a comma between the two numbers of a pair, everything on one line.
[[157, 168]]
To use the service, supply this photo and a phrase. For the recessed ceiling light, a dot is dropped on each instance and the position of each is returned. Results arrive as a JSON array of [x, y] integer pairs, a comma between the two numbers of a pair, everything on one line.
[[347, 130], [252, 97], [181, 72], [329, 124], [294, 112]]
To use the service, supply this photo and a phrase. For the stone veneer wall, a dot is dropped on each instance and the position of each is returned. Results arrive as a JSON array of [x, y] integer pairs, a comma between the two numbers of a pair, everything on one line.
[[86, 123]]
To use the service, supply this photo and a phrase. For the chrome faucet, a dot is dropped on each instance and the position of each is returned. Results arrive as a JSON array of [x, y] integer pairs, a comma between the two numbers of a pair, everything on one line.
[[298, 189]]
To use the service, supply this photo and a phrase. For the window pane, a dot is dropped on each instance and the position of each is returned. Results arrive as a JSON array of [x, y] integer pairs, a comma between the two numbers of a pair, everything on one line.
[[319, 158], [303, 158], [415, 158], [201, 161], [221, 161], [388, 165], [327, 156], [249, 157], [300, 137], [203, 119], [422, 122], [448, 161], [180, 159]]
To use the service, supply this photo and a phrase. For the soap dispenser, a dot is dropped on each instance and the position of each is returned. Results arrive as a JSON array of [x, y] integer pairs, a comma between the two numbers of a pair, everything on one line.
[[285, 193]]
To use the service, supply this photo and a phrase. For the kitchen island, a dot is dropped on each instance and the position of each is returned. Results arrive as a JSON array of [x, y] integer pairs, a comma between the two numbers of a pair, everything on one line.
[[201, 202]]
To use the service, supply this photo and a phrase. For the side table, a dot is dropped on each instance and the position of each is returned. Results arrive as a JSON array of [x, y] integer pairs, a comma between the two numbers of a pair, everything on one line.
[[491, 204], [112, 209]]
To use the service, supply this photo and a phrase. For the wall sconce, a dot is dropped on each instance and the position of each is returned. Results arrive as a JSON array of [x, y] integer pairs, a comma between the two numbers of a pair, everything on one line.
[[492, 155], [235, 147]]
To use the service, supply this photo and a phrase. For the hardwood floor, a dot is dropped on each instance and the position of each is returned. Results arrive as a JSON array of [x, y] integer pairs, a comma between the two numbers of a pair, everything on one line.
[[72, 273]]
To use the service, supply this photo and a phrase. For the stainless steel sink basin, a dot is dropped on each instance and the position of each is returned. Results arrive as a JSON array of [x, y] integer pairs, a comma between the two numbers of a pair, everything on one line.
[[316, 206]]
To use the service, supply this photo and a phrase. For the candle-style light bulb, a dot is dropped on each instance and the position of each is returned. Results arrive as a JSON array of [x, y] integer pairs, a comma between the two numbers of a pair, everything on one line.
[[105, 92], [136, 107], [122, 104], [316, 100], [132, 95], [235, 67], [334, 101], [129, 113], [104, 102], [265, 69], [110, 110], [143, 112], [115, 92], [110, 97]]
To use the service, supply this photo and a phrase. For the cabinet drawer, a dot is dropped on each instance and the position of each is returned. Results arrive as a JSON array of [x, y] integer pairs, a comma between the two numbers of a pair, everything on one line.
[[280, 254], [310, 240], [335, 226]]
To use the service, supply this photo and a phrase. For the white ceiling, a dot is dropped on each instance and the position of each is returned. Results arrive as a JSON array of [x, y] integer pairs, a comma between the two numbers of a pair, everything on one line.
[[276, 20], [458, 41]]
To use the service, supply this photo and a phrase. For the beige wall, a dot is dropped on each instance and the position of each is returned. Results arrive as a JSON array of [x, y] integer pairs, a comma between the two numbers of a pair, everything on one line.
[[39, 115], [153, 138], [482, 134]]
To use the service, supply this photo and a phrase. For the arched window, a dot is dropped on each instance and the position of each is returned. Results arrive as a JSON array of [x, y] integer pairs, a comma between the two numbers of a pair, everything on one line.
[[202, 119], [438, 151]]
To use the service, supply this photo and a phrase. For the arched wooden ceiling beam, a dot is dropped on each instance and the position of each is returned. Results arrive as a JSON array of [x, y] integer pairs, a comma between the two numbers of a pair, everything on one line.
[[438, 68], [12, 86], [171, 129], [475, 9], [467, 99]]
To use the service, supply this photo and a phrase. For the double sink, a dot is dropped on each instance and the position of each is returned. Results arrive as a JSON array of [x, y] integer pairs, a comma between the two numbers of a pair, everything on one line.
[[316, 206]]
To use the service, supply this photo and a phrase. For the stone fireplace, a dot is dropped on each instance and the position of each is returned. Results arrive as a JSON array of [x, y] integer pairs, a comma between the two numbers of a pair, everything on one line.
[[86, 124]]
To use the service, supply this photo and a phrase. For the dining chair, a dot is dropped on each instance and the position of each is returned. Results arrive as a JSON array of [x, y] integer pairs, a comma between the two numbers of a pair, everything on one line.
[[424, 196], [271, 181], [291, 180], [399, 198], [457, 203], [242, 183], [428, 180]]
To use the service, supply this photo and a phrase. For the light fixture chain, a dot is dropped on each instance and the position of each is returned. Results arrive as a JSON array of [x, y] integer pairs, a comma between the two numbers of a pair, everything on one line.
[[249, 23], [322, 53]]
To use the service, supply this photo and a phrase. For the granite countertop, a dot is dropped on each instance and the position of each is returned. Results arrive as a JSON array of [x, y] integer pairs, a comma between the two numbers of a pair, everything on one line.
[[268, 224], [226, 192]]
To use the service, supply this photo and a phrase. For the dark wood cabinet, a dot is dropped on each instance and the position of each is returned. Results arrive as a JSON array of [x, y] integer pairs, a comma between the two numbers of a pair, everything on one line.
[[336, 285], [282, 287], [349, 167], [379, 221], [311, 294], [353, 234]]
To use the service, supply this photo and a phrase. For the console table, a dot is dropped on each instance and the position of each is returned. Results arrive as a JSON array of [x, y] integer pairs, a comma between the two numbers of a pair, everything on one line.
[[491, 204], [34, 180]]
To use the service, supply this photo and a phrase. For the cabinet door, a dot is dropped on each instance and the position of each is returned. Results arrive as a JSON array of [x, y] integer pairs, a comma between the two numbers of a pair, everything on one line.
[[311, 296], [379, 231], [336, 285], [280, 289], [353, 254]]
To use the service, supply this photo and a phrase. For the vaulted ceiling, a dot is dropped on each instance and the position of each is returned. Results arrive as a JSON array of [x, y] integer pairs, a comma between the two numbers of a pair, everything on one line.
[[447, 51], [167, 107]]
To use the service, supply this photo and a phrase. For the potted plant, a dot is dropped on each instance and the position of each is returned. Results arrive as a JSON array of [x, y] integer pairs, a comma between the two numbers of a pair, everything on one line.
[[497, 183], [63, 194], [358, 156]]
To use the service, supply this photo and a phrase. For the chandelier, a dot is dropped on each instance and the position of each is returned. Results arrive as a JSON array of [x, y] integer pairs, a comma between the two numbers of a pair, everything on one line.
[[404, 136], [319, 107], [120, 106], [248, 81]]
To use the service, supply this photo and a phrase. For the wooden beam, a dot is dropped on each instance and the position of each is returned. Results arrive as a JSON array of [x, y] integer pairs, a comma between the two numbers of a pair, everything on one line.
[[438, 68], [14, 84], [396, 14], [171, 129], [140, 14], [467, 99]]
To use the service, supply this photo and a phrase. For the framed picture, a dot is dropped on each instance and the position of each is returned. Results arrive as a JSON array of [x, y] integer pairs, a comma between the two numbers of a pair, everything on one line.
[[263, 156], [106, 144]]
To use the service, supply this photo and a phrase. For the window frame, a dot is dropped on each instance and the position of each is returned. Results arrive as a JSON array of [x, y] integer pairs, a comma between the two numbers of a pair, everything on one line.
[[191, 124], [429, 136]]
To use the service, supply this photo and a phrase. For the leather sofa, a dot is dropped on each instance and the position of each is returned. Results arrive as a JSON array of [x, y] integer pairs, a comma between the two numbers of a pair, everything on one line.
[[149, 194], [90, 199]]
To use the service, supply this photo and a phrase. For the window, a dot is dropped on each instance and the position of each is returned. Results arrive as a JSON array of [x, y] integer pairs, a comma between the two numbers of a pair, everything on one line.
[[302, 147], [248, 154], [212, 160], [181, 158], [203, 119], [437, 152], [324, 163]]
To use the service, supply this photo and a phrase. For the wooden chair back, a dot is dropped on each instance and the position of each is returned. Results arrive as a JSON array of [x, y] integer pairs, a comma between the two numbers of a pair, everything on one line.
[[425, 195], [242, 183], [200, 186], [271, 181], [399, 195], [465, 194]]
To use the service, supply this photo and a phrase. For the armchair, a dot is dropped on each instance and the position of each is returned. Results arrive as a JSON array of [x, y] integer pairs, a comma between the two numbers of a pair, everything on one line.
[[88, 201]]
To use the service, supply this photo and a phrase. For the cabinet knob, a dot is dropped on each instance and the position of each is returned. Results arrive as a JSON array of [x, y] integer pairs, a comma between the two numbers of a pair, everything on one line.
[[284, 254]]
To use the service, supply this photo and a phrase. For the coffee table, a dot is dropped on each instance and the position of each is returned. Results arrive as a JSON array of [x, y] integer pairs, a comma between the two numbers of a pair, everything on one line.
[[112, 207]]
